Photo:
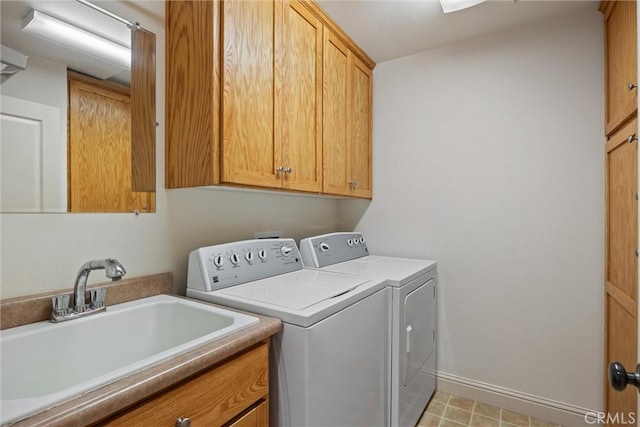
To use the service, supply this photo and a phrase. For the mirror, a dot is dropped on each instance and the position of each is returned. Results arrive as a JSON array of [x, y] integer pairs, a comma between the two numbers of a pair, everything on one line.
[[78, 125]]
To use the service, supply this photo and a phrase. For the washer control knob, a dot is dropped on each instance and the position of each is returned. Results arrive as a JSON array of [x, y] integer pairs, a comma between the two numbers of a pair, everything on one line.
[[350, 242], [262, 254], [324, 247], [235, 259], [286, 250], [249, 256], [361, 240], [218, 261]]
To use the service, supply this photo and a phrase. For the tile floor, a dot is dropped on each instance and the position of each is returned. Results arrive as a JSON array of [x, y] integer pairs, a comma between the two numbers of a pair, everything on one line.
[[447, 410]]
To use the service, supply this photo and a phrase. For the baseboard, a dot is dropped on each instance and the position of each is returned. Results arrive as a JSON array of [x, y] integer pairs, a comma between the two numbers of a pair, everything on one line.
[[535, 406]]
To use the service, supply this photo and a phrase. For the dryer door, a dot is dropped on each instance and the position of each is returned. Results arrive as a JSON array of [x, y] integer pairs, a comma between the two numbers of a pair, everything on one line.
[[419, 329]]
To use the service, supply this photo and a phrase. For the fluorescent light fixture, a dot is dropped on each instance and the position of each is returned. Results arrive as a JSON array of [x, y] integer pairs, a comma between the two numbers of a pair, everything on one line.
[[54, 30], [456, 5]]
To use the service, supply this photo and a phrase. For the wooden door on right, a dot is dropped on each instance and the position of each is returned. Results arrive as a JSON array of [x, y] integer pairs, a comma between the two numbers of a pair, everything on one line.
[[621, 266]]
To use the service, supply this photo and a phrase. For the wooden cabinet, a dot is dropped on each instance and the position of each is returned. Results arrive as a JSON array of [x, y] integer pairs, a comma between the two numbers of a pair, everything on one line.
[[299, 113], [271, 105], [621, 271], [234, 393], [621, 100], [257, 118], [346, 121]]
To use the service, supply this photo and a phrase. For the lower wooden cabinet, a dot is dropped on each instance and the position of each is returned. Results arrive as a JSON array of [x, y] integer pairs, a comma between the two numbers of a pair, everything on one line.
[[234, 393], [257, 417]]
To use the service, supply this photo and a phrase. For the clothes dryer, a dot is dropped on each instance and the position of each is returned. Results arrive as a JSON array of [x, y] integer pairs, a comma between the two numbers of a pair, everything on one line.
[[318, 375], [412, 320]]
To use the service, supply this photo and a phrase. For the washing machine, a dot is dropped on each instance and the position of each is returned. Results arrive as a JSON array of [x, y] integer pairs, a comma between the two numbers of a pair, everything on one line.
[[412, 319], [328, 365]]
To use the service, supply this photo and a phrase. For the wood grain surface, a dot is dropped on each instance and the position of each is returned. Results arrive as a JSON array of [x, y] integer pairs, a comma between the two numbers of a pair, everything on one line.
[[250, 154], [143, 111], [99, 149], [360, 162], [192, 92], [299, 81], [621, 261], [620, 63], [210, 399], [334, 119]]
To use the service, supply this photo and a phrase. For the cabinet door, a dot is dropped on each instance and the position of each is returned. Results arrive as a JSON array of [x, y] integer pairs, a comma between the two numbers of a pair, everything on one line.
[[359, 153], [192, 94], [250, 153], [298, 122], [213, 398], [621, 261], [257, 417], [99, 129], [620, 63], [336, 65]]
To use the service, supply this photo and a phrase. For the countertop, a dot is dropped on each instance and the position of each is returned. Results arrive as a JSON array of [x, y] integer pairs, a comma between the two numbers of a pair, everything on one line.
[[109, 399]]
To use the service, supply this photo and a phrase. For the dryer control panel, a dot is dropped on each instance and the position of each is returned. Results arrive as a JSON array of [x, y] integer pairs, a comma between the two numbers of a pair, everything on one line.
[[328, 249], [229, 264]]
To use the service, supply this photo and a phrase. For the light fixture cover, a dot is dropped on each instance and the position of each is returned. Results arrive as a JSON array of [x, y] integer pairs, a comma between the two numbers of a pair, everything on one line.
[[455, 5], [55, 30]]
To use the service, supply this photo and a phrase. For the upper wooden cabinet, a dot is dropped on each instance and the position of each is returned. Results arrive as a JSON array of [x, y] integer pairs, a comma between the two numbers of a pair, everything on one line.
[[258, 117], [192, 94], [271, 109], [346, 121], [621, 100]]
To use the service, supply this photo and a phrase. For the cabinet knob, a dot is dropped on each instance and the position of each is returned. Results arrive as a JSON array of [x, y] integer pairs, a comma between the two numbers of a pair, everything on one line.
[[280, 169], [632, 138], [183, 422], [288, 170], [353, 183], [632, 86]]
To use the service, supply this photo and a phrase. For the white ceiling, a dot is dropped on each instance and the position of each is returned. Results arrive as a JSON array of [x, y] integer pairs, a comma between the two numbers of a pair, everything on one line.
[[389, 29]]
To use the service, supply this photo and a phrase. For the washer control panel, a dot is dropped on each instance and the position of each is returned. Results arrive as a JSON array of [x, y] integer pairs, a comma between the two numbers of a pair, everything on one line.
[[327, 249], [229, 264]]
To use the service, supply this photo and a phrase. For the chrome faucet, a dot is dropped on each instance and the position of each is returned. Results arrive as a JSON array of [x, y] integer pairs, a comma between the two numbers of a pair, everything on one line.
[[61, 310]]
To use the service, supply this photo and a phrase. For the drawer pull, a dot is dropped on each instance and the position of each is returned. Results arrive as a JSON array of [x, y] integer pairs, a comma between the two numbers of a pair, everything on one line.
[[632, 86], [183, 422]]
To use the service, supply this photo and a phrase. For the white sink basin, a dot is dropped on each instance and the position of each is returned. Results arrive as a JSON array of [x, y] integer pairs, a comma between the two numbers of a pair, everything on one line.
[[45, 363]]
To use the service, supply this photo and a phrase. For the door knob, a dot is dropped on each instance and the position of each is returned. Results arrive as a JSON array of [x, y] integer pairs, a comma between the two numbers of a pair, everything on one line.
[[619, 377]]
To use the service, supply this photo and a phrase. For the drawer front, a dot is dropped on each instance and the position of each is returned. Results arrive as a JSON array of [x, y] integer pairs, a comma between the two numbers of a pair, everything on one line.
[[211, 399], [257, 417]]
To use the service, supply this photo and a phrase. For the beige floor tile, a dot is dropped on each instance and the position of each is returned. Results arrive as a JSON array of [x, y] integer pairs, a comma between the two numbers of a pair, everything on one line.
[[487, 410], [536, 422], [482, 421], [458, 415], [429, 420], [461, 402], [514, 418], [503, 424], [449, 423], [436, 408], [440, 396]]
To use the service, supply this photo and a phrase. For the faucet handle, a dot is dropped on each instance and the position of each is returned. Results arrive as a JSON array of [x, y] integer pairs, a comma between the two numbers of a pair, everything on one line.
[[60, 303], [98, 296]]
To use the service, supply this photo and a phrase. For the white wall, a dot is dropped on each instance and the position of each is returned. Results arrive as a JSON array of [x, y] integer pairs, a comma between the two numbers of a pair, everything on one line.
[[488, 157], [43, 252]]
